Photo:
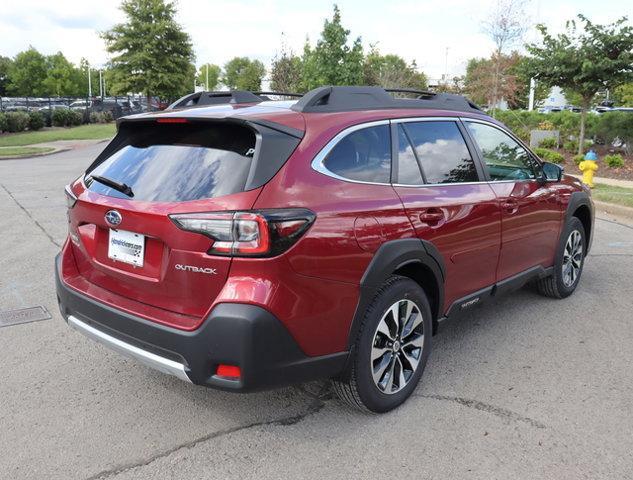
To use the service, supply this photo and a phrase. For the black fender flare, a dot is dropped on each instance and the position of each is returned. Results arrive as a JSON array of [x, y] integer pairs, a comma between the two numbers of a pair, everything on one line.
[[390, 257], [576, 200]]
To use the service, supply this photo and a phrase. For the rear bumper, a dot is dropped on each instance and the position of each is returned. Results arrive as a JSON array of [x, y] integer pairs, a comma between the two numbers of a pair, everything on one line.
[[234, 334]]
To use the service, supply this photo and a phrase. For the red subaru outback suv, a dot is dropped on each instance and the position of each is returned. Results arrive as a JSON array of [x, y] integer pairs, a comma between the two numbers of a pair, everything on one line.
[[242, 243]]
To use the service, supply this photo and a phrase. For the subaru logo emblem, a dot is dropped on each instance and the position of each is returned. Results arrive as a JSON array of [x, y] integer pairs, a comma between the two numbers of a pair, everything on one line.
[[113, 217]]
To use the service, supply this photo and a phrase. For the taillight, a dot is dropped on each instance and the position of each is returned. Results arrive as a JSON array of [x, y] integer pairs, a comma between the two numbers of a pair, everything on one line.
[[258, 233]]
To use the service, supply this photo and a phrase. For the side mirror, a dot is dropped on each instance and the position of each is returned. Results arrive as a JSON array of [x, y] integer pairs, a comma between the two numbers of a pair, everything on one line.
[[552, 172]]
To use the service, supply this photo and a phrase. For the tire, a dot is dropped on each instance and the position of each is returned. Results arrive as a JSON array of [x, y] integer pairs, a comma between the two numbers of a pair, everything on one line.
[[400, 351], [560, 284]]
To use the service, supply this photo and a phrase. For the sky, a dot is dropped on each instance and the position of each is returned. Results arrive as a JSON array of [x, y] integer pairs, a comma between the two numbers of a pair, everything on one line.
[[440, 35]]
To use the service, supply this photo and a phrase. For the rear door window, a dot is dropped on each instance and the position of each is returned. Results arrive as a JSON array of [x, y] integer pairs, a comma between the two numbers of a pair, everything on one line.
[[178, 162], [442, 152], [363, 155]]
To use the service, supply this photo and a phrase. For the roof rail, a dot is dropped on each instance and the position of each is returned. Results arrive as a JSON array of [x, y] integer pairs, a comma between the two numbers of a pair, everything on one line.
[[419, 93], [200, 99], [264, 95], [340, 99]]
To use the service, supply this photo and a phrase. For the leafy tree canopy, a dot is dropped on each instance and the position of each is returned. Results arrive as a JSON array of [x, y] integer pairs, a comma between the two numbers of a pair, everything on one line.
[[27, 74], [332, 61], [150, 51], [584, 60], [242, 73], [5, 66], [209, 73], [392, 71]]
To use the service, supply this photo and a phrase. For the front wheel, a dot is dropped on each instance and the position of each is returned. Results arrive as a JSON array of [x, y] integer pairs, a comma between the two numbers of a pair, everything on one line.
[[391, 350], [570, 260]]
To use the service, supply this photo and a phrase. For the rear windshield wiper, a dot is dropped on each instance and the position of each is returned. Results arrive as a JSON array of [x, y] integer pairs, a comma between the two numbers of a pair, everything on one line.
[[121, 187]]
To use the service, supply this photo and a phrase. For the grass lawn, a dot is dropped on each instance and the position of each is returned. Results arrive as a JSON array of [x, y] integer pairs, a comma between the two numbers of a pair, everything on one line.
[[611, 194], [96, 131], [13, 151]]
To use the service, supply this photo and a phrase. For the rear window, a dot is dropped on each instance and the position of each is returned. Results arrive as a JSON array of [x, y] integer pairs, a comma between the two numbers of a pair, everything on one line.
[[178, 162]]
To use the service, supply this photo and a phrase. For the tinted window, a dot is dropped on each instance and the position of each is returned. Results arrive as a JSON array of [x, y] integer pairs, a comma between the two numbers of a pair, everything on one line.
[[408, 168], [504, 157], [363, 155], [175, 162], [442, 152]]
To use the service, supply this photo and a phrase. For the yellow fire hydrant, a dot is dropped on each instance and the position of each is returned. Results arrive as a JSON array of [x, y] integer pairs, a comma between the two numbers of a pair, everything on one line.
[[588, 166]]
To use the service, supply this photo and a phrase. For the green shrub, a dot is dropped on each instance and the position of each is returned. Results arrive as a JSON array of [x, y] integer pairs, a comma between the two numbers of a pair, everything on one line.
[[36, 121], [578, 158], [3, 122], [548, 142], [570, 146], [107, 116], [614, 161], [75, 117], [96, 117], [59, 117], [614, 124], [549, 155], [17, 121]]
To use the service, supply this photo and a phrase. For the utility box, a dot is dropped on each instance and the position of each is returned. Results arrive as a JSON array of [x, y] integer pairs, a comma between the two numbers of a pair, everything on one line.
[[537, 136]]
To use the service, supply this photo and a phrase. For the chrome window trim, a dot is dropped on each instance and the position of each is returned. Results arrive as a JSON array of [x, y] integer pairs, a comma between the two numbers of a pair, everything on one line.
[[318, 163]]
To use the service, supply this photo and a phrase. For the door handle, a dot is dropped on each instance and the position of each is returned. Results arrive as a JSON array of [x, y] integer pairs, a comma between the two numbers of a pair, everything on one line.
[[510, 205], [432, 216]]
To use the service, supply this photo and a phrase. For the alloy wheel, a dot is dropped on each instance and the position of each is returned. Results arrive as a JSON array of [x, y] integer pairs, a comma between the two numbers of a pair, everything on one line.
[[397, 346], [572, 258]]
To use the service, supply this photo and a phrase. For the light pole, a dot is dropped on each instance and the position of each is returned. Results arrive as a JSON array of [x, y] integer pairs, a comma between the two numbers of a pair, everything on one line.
[[100, 85], [206, 84], [89, 83]]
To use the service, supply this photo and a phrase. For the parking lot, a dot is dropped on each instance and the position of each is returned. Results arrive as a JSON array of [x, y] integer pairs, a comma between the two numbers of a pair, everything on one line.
[[527, 387]]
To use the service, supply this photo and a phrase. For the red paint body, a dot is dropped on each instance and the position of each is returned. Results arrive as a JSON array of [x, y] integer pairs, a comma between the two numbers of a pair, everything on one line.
[[485, 232]]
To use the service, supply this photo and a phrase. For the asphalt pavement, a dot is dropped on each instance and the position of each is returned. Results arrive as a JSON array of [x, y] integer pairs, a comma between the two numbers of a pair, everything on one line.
[[526, 387]]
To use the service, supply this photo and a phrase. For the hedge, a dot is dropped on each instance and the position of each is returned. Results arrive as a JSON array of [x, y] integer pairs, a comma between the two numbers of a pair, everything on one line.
[[3, 122], [36, 121], [549, 155], [17, 121]]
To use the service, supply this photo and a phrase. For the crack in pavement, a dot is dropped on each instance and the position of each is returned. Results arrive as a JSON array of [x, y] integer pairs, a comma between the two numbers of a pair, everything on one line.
[[486, 407], [318, 402], [614, 222], [28, 214]]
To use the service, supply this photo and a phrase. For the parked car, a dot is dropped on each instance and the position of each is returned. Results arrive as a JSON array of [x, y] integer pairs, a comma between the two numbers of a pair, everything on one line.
[[252, 244], [80, 105]]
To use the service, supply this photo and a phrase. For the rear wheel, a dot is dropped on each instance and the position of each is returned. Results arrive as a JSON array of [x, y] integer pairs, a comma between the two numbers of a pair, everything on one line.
[[391, 350], [570, 260]]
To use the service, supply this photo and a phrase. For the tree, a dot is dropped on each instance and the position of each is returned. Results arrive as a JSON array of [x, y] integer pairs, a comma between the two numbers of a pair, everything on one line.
[[392, 71], [332, 61], [27, 74], [209, 76], [622, 95], [486, 85], [62, 77], [505, 26], [150, 51], [242, 73], [584, 61], [286, 72], [5, 66]]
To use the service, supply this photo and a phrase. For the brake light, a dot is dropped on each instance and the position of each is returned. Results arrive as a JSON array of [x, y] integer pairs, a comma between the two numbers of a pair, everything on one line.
[[171, 120], [261, 233]]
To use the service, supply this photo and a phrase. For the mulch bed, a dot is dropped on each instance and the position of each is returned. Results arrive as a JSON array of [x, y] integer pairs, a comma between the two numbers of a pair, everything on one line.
[[624, 173]]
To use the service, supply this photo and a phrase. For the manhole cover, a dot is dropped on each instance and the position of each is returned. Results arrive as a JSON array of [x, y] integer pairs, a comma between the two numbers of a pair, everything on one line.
[[24, 315]]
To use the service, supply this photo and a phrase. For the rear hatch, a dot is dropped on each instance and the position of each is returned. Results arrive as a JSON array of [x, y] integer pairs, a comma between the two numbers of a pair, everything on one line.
[[122, 236]]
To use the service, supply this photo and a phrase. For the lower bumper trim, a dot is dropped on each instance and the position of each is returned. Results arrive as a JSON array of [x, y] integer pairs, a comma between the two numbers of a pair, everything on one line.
[[149, 359]]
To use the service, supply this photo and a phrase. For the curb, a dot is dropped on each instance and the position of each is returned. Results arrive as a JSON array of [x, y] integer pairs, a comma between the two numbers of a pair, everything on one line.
[[33, 155], [613, 209]]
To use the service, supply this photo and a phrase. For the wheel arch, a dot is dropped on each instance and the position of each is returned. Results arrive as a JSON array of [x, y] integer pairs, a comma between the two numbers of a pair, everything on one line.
[[581, 207], [414, 258]]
